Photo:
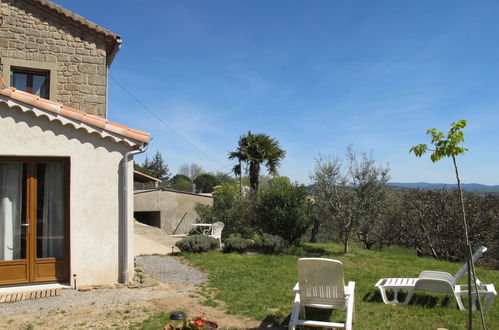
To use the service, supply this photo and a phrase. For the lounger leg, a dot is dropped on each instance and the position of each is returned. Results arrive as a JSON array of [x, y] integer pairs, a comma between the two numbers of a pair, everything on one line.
[[383, 295], [408, 297], [295, 313], [395, 296], [459, 301], [489, 298]]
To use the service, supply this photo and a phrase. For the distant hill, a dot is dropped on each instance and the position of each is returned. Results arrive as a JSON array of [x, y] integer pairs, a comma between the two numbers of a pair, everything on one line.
[[471, 187]]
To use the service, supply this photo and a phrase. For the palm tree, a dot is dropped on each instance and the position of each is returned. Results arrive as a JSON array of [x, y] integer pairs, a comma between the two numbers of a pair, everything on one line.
[[254, 150]]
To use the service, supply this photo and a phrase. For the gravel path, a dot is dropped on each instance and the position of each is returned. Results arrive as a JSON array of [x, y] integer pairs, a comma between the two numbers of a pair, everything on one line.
[[168, 270], [105, 297], [178, 281]]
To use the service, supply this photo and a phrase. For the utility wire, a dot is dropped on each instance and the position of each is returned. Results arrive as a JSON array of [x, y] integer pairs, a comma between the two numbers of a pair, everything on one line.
[[163, 122]]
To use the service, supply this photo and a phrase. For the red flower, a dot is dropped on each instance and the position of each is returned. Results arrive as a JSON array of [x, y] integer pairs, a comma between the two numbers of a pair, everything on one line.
[[199, 322]]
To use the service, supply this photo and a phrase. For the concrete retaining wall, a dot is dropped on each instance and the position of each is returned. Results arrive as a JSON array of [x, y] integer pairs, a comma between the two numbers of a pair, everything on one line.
[[176, 208]]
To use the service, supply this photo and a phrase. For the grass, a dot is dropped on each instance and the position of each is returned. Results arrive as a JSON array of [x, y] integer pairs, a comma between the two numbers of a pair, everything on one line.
[[259, 286], [154, 322]]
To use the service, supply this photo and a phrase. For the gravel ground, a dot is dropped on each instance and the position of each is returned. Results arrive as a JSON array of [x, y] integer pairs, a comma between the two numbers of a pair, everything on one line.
[[168, 270], [104, 297], [178, 279]]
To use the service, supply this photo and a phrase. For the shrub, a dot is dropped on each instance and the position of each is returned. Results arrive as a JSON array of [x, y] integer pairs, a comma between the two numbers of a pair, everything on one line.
[[237, 244], [229, 208], [181, 182], [270, 244], [197, 243], [225, 195], [205, 213], [205, 182], [284, 210]]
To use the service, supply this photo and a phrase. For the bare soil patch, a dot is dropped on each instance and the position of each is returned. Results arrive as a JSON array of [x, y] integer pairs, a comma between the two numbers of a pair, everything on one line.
[[121, 316]]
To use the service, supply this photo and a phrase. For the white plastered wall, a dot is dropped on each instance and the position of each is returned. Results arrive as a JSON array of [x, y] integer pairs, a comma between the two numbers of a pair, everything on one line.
[[95, 189]]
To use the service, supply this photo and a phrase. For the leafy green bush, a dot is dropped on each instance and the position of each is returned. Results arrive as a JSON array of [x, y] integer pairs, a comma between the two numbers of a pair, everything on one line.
[[235, 212], [237, 244], [284, 210], [205, 182], [270, 244], [225, 195], [197, 243], [181, 182]]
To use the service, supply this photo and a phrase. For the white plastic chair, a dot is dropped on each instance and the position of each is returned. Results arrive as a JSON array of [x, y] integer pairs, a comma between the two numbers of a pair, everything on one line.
[[435, 281], [216, 231], [321, 285]]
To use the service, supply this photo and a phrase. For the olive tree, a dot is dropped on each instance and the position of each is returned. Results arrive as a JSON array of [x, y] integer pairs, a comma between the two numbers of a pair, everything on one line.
[[349, 196]]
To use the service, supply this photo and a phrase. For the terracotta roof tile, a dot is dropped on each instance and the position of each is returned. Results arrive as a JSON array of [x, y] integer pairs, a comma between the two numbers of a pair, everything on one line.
[[72, 113], [145, 176]]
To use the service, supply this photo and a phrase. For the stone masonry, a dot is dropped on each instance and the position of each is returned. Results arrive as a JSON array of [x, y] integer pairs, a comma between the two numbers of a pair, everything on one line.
[[30, 33]]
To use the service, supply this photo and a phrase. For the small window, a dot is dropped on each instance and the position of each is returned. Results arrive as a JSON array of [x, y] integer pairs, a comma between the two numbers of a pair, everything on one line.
[[31, 81]]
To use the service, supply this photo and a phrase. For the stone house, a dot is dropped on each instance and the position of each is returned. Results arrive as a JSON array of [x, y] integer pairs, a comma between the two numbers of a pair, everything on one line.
[[65, 55], [66, 172]]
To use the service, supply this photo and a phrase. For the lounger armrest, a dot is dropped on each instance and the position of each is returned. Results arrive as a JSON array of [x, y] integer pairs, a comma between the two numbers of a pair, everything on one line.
[[350, 308], [430, 274], [350, 288]]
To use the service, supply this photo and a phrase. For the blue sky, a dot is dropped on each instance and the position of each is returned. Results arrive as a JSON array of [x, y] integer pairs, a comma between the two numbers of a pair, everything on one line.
[[316, 75]]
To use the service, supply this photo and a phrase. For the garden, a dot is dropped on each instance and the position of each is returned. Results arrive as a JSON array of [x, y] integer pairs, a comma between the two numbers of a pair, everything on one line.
[[350, 214]]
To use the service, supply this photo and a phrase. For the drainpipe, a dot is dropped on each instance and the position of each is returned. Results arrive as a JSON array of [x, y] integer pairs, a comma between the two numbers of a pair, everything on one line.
[[125, 214]]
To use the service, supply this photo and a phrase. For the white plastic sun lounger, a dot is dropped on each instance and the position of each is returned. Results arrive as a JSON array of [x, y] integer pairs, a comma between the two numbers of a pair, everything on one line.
[[434, 281]]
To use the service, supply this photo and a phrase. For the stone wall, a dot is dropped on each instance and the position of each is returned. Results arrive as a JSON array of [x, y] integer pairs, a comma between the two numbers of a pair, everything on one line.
[[75, 57]]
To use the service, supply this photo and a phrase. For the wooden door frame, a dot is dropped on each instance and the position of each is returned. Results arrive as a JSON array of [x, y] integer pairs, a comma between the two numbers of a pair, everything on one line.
[[32, 263]]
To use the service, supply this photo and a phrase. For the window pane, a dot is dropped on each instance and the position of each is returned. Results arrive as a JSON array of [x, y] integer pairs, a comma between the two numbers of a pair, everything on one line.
[[20, 81], [50, 210], [12, 234], [40, 85]]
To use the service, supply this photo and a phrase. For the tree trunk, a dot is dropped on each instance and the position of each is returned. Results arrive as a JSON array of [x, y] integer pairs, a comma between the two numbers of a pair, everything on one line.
[[240, 181], [254, 171], [315, 231], [471, 267]]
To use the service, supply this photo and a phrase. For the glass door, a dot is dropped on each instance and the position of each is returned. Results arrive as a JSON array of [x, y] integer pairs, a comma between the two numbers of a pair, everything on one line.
[[50, 208], [33, 220]]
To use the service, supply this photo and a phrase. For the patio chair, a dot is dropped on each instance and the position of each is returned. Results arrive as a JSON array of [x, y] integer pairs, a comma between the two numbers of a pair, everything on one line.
[[321, 285], [435, 281], [216, 231]]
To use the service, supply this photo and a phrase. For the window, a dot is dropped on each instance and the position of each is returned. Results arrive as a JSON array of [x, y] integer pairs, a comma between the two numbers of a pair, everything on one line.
[[31, 81], [43, 76]]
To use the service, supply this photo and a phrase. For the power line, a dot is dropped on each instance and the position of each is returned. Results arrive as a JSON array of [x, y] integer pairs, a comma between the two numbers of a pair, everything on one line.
[[163, 122]]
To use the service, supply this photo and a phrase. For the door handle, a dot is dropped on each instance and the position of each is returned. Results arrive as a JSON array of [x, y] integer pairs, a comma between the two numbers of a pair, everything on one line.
[[26, 225]]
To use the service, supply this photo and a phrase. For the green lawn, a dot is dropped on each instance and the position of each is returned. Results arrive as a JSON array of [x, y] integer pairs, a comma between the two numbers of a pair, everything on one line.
[[259, 286]]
